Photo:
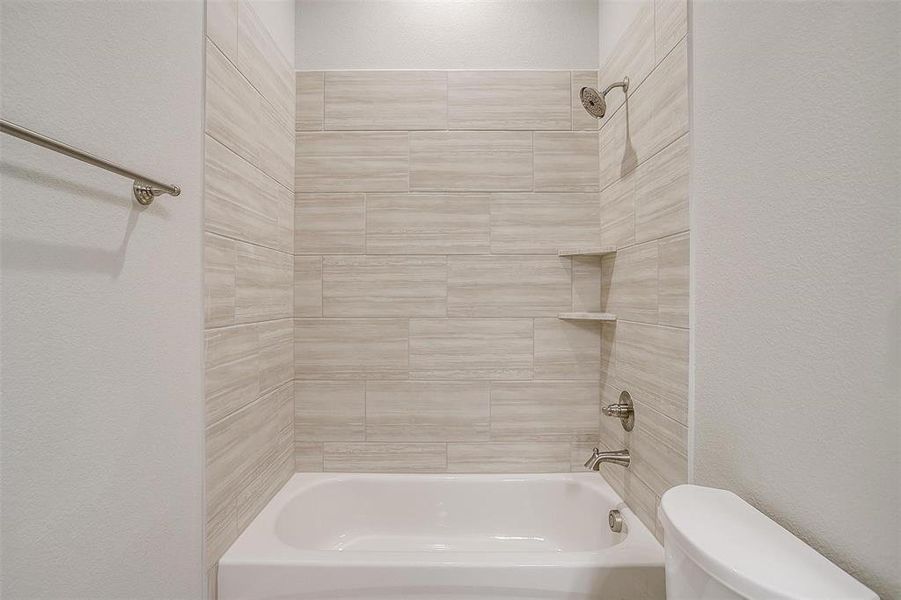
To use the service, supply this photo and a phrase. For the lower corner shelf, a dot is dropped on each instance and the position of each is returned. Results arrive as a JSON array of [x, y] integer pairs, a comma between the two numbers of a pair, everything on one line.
[[587, 316]]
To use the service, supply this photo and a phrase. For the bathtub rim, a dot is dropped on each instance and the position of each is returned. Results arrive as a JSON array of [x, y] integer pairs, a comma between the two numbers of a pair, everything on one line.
[[259, 544]]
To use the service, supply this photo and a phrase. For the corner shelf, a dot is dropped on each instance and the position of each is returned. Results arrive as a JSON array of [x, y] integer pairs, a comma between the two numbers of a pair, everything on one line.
[[587, 251], [587, 316]]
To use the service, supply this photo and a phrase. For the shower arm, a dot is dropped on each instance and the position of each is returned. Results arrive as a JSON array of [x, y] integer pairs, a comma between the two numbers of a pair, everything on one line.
[[623, 84]]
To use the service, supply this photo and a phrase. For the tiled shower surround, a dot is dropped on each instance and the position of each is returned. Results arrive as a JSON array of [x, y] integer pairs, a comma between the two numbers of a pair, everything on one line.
[[429, 209], [644, 154], [248, 264]]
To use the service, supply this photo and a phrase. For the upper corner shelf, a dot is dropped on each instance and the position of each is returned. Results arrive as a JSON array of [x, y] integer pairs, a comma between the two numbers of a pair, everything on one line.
[[587, 316], [587, 251]]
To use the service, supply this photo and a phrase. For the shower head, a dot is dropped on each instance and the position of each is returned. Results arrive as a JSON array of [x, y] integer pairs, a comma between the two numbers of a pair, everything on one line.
[[595, 102]]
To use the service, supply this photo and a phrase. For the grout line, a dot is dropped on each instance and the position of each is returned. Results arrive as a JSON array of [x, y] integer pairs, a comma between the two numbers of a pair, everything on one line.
[[264, 396], [262, 172], [247, 80], [665, 237], [248, 323], [660, 325], [247, 242]]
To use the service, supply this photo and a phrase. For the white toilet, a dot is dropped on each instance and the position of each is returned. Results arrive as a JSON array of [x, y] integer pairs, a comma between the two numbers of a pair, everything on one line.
[[720, 547]]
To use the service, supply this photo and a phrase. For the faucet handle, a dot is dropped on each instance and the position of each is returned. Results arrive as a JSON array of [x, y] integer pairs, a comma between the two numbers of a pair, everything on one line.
[[594, 455], [622, 410]]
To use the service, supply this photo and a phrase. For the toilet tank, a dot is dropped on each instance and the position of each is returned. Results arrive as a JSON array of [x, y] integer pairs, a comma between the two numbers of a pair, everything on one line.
[[720, 547]]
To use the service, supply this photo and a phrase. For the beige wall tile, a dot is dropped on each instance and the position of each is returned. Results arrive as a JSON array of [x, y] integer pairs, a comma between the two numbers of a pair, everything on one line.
[[233, 204], [227, 96], [261, 61], [284, 199], [508, 457], [329, 224], [343, 161], [508, 286], [260, 490], [544, 410], [618, 213], [427, 411], [670, 25], [640, 498], [616, 146], [586, 283], [661, 193], [673, 280], [652, 363], [307, 456], [376, 457], [222, 25], [219, 258], [567, 349], [509, 100], [608, 354], [264, 281], [239, 451], [658, 112], [385, 100], [631, 284], [329, 411], [245, 362], [276, 353], [232, 369], [249, 163], [470, 161], [212, 577], [221, 532], [427, 224], [658, 447], [566, 162], [384, 286], [633, 57], [471, 348], [275, 140], [307, 286], [582, 120], [543, 223], [578, 454], [310, 102], [350, 348]]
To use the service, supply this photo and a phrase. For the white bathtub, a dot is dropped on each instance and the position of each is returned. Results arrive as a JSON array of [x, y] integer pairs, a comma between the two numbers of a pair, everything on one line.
[[460, 537]]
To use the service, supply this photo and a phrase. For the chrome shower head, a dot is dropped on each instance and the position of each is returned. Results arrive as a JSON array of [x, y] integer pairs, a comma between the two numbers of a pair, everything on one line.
[[595, 102]]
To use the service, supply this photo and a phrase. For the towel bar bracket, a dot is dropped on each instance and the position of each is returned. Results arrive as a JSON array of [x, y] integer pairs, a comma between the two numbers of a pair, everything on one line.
[[145, 193]]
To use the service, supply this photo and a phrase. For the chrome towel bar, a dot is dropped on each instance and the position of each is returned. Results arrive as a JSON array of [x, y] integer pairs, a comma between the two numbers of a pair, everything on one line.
[[145, 188]]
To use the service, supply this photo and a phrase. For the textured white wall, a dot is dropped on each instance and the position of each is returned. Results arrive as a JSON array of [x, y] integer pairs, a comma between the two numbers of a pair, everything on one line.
[[795, 233], [446, 34], [102, 422], [278, 16]]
